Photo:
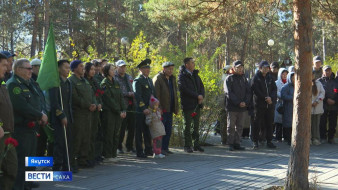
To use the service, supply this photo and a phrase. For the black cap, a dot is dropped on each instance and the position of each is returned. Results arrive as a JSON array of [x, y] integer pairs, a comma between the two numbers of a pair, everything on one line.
[[263, 64], [274, 65], [144, 63], [8, 55], [317, 58], [237, 63]]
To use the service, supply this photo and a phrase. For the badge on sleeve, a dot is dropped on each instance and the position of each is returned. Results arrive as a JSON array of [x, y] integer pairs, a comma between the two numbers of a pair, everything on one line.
[[16, 90]]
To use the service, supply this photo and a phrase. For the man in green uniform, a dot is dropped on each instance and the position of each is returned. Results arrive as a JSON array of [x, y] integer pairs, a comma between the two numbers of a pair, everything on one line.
[[28, 115], [143, 88], [9, 164], [83, 103]]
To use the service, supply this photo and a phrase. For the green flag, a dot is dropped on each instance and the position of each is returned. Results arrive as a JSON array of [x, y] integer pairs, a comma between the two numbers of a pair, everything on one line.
[[49, 75]]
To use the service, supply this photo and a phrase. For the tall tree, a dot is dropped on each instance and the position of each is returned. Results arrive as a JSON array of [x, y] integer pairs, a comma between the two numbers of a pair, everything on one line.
[[297, 175]]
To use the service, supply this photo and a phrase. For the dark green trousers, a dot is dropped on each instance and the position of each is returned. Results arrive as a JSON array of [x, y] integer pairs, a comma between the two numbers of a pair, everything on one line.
[[111, 124], [9, 166], [81, 136], [26, 148], [191, 124], [93, 139]]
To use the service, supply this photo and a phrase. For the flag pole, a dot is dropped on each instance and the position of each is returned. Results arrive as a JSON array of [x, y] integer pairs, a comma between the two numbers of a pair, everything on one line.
[[65, 133]]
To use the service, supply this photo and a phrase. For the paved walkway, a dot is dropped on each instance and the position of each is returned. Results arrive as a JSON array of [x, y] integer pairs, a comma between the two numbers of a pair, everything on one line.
[[216, 168]]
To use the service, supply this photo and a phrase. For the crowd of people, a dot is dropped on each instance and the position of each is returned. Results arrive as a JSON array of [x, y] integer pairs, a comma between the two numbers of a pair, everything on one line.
[[267, 100], [84, 121]]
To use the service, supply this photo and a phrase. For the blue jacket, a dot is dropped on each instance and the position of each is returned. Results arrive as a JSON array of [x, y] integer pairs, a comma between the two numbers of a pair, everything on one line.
[[287, 97]]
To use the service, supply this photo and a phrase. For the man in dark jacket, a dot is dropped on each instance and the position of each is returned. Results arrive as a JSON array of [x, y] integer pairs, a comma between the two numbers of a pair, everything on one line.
[[61, 118], [8, 164], [264, 97], [274, 67], [143, 88], [192, 94], [166, 91], [238, 95], [330, 105]]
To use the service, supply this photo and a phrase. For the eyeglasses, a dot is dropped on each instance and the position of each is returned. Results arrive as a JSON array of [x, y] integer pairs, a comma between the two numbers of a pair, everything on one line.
[[28, 68]]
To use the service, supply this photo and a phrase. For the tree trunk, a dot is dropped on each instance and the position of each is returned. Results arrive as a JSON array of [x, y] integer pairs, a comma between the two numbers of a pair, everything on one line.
[[35, 27], [47, 14], [324, 42], [245, 42], [297, 175]]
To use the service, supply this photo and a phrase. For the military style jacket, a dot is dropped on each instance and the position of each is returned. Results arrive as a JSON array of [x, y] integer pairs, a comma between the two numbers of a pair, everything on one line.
[[26, 103], [112, 97], [82, 94], [143, 88]]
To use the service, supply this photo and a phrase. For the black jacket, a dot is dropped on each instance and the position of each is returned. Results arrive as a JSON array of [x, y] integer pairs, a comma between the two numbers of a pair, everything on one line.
[[57, 113], [190, 87], [330, 85], [263, 87], [236, 90]]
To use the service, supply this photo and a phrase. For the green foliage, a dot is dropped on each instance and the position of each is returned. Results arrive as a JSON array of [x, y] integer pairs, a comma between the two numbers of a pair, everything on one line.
[[333, 62]]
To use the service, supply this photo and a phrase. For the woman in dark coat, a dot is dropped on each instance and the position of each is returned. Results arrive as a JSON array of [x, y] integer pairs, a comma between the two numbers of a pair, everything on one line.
[[287, 97]]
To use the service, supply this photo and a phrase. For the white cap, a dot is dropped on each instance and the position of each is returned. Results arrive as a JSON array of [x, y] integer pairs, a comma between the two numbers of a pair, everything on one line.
[[120, 63], [36, 62]]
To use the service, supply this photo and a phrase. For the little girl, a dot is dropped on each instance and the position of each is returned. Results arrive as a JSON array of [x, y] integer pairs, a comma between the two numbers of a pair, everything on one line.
[[156, 127]]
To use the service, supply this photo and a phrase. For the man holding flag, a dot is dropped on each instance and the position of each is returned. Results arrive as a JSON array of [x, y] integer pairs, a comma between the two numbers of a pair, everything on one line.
[[53, 78]]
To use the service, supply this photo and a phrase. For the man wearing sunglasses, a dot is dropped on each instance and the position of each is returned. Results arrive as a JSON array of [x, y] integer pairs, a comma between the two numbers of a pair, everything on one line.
[[28, 116]]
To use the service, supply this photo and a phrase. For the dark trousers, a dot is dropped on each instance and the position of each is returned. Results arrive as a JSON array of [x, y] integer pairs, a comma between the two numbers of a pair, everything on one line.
[[191, 123], [287, 131], [332, 117], [9, 165], [42, 143], [263, 121], [60, 150], [93, 135], [26, 148], [279, 131], [128, 124], [168, 124], [142, 129]]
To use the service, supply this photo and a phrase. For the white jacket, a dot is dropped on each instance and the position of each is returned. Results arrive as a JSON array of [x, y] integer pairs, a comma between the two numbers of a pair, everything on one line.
[[319, 98]]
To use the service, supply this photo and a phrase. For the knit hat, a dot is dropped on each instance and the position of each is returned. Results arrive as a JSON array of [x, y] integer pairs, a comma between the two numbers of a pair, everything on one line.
[[74, 64], [152, 101]]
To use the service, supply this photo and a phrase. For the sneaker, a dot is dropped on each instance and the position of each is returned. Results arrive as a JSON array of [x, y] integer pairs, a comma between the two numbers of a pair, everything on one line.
[[231, 147], [188, 150], [255, 145], [270, 145], [158, 156], [120, 151], [164, 152], [331, 141], [198, 148], [238, 147], [316, 142], [169, 152]]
